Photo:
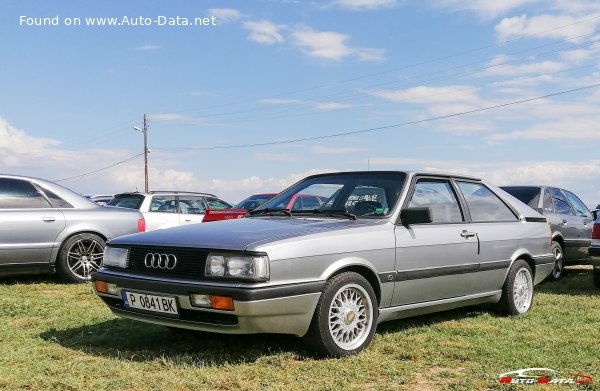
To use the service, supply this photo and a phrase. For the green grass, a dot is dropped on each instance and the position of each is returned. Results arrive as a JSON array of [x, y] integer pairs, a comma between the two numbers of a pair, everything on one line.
[[55, 336]]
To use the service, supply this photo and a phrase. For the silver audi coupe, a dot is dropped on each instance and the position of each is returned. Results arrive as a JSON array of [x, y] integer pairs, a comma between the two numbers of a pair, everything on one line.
[[383, 246]]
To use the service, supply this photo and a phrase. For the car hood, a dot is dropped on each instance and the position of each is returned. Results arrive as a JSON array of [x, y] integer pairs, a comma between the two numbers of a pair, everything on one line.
[[239, 234]]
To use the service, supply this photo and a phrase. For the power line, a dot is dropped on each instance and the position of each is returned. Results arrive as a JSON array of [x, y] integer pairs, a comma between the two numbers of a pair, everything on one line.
[[100, 169], [386, 126]]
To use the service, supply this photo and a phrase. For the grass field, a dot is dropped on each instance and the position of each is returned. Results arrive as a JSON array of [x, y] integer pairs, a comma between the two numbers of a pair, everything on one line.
[[55, 336]]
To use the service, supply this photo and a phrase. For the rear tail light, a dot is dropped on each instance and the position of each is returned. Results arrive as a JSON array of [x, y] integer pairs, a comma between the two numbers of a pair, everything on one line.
[[141, 225], [596, 231]]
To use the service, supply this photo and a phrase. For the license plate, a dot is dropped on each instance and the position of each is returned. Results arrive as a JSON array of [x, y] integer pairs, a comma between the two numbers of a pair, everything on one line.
[[153, 303]]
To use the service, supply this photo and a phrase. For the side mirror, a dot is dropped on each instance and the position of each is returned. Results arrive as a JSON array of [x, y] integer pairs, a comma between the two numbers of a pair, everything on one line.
[[410, 216]]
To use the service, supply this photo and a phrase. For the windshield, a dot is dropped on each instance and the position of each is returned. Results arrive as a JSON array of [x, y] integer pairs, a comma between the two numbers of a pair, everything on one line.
[[131, 201], [363, 194]]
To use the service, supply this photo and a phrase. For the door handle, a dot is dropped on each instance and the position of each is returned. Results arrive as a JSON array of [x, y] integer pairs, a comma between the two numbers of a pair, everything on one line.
[[467, 234], [564, 222], [48, 219], [188, 220]]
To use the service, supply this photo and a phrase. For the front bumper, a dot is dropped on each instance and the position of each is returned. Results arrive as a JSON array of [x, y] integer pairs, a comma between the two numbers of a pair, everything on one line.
[[286, 309], [594, 253]]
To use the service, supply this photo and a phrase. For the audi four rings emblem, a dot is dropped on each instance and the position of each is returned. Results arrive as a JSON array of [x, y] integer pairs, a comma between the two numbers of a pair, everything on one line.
[[160, 261]]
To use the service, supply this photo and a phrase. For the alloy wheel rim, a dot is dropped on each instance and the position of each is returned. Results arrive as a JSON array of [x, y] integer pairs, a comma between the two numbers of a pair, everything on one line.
[[558, 264], [523, 290], [84, 257], [350, 317]]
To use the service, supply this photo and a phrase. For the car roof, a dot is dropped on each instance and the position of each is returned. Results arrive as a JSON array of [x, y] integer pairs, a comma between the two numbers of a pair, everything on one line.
[[408, 173], [165, 192]]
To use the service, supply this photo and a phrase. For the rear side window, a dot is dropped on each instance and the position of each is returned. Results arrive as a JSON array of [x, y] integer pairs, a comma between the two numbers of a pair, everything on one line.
[[18, 193], [130, 201], [484, 205], [440, 198], [55, 200], [215, 203]]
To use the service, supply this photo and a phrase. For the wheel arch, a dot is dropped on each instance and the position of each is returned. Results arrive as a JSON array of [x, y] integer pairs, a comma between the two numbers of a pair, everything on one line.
[[366, 272], [66, 237]]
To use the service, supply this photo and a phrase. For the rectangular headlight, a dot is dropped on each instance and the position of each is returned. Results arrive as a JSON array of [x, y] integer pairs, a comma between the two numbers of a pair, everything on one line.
[[238, 266], [115, 256]]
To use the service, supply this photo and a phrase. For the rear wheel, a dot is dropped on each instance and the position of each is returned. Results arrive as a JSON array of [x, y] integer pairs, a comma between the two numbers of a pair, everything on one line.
[[558, 252], [345, 318], [517, 292], [79, 256]]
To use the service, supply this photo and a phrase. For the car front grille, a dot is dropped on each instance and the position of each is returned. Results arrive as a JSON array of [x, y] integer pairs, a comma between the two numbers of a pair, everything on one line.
[[190, 261]]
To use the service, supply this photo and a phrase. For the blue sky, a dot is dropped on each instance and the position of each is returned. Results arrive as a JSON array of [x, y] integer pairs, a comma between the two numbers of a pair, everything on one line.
[[393, 80]]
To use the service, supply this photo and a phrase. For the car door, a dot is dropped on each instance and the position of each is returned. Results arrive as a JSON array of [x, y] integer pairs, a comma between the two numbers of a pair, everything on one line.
[[570, 225], [29, 225], [584, 221], [162, 212], [499, 232], [192, 209], [436, 260]]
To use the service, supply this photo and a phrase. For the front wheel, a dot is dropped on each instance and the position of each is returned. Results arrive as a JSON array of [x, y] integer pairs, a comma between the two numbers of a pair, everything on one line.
[[517, 292], [345, 318], [79, 256]]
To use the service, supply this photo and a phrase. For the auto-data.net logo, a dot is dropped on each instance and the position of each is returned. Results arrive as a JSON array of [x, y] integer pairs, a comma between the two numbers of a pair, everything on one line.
[[542, 376]]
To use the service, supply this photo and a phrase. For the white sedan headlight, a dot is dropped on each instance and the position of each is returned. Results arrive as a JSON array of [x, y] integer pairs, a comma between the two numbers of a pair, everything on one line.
[[115, 256], [237, 266]]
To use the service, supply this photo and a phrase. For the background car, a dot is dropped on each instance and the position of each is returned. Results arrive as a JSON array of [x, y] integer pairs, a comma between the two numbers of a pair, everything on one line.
[[254, 201], [165, 209], [569, 218], [44, 226], [382, 246], [100, 199], [594, 252]]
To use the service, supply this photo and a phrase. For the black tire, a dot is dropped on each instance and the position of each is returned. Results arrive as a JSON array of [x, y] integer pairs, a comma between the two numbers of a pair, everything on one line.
[[79, 256], [517, 292], [558, 270], [330, 333], [596, 272]]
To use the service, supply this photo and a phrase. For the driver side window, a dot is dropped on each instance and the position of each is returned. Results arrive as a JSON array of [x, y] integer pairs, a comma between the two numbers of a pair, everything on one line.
[[440, 198]]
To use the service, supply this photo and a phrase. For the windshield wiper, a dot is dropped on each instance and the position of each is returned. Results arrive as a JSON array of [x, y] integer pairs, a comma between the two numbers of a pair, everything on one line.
[[270, 211], [333, 213]]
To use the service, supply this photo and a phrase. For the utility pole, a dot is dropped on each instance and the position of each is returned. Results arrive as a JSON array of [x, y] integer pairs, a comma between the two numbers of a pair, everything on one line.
[[145, 153], [145, 131]]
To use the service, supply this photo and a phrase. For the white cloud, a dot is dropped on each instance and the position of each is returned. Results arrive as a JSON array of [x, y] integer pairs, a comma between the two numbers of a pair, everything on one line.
[[357, 5], [524, 81], [562, 128], [264, 32], [544, 26], [329, 106], [500, 66], [431, 95], [225, 15], [328, 45], [148, 47], [331, 45], [485, 8]]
